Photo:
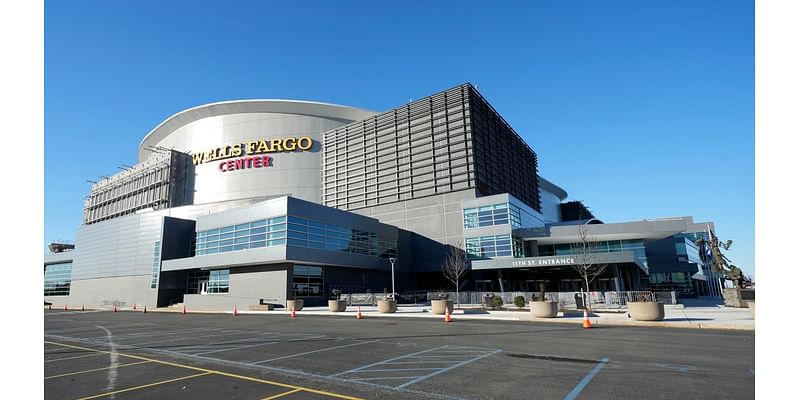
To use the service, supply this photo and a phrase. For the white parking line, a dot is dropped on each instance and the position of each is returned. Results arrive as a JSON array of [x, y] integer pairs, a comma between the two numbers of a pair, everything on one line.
[[182, 336], [389, 360], [422, 378], [202, 347], [268, 342], [446, 363], [585, 381], [315, 351], [402, 369]]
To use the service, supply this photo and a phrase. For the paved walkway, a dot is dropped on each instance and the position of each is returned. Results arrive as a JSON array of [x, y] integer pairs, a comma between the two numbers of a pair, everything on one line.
[[692, 313]]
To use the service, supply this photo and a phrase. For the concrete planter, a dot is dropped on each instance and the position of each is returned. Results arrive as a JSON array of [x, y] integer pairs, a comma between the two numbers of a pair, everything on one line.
[[438, 306], [337, 305], [544, 309], [752, 306], [296, 305], [387, 306], [646, 311]]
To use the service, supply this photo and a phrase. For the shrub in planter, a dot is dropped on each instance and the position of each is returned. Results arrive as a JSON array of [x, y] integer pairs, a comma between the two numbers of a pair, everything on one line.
[[497, 303], [440, 305], [387, 304], [519, 301], [334, 304], [644, 309], [543, 308], [296, 304]]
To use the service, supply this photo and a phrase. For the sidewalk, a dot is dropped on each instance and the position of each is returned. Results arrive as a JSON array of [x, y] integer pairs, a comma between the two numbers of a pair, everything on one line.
[[687, 315]]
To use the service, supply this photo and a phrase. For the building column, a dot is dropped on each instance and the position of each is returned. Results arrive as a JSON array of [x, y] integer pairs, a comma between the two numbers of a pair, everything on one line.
[[500, 279], [618, 286]]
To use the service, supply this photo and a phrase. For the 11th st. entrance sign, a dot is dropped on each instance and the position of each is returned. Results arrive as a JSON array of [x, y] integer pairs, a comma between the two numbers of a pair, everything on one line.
[[543, 261]]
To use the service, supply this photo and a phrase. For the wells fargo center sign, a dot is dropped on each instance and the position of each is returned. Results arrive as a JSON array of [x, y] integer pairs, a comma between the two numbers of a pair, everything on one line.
[[251, 154]]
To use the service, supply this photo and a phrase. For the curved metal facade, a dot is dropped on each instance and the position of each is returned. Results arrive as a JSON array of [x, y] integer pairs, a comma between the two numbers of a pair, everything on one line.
[[216, 128]]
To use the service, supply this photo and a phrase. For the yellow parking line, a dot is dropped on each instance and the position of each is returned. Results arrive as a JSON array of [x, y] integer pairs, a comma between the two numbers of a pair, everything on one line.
[[96, 369], [144, 386], [281, 394], [321, 392], [72, 358]]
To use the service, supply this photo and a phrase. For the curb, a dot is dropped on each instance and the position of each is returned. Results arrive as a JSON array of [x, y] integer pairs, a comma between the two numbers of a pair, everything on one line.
[[596, 321]]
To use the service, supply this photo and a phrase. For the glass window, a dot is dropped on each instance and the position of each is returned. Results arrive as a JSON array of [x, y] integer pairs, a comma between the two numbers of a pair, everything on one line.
[[297, 228], [297, 242], [226, 229], [277, 220], [258, 237], [278, 227], [241, 227], [57, 279], [298, 220], [258, 230], [297, 235], [307, 281], [156, 269], [258, 223], [219, 281]]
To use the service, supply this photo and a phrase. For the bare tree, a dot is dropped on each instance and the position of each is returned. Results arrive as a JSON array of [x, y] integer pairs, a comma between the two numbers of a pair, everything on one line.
[[587, 257], [455, 266]]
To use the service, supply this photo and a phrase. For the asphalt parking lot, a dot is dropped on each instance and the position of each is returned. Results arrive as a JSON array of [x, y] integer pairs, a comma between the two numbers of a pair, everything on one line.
[[209, 356]]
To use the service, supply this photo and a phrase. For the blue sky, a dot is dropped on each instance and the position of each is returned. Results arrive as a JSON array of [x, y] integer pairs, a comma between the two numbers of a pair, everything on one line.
[[641, 109]]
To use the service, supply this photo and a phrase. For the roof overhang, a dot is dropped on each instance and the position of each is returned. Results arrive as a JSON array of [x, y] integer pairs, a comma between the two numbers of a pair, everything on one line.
[[644, 230], [332, 111], [618, 257]]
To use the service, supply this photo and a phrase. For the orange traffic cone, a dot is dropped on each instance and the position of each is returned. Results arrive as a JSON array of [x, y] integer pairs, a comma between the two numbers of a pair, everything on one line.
[[235, 312], [447, 317], [358, 315], [586, 323], [293, 314], [184, 310]]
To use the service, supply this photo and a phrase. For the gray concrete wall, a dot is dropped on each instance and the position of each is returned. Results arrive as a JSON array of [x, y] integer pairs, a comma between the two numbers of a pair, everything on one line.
[[125, 290], [436, 217], [247, 287], [432, 221]]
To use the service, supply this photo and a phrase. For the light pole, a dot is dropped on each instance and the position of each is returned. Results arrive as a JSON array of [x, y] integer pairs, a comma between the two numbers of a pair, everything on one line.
[[392, 260]]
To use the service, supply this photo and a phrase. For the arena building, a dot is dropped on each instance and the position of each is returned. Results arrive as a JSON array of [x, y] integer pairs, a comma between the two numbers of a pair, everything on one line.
[[254, 202]]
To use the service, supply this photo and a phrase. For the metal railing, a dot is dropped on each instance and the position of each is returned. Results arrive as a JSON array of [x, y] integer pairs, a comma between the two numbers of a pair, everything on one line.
[[566, 300]]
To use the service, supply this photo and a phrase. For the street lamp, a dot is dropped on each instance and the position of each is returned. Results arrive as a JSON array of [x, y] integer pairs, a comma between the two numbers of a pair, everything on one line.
[[392, 260]]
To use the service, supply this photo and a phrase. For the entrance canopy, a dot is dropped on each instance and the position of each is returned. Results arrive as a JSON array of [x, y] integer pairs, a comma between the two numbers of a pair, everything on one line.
[[619, 257]]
